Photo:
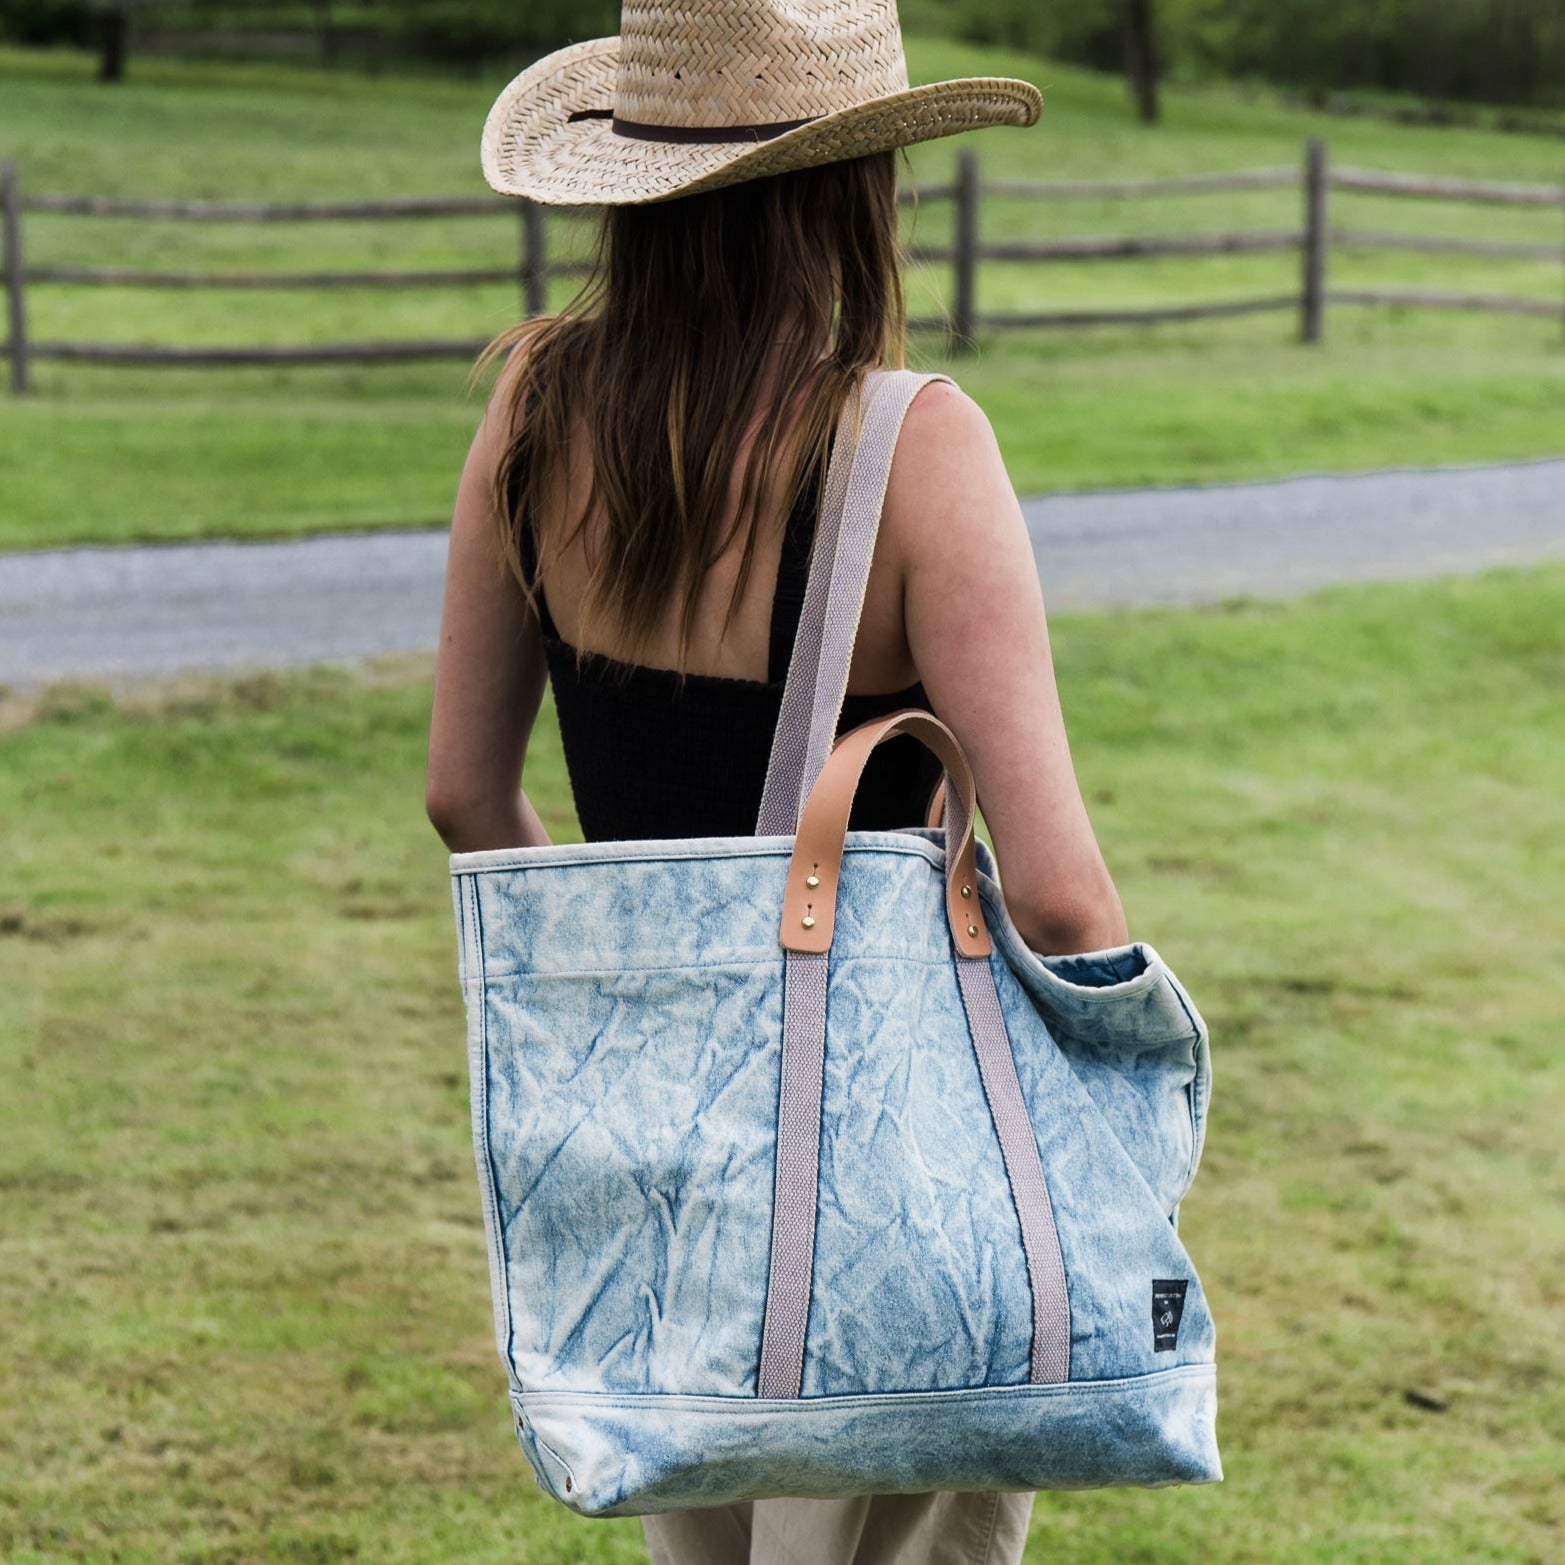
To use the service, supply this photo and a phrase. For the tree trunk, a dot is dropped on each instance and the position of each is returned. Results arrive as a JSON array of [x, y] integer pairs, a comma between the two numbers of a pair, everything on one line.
[[1514, 63], [325, 31], [115, 40], [1141, 64]]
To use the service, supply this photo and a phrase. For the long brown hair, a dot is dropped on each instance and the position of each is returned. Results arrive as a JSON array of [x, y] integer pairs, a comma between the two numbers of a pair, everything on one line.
[[665, 354]]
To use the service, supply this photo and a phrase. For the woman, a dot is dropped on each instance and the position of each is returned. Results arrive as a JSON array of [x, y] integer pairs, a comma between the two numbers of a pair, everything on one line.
[[648, 471]]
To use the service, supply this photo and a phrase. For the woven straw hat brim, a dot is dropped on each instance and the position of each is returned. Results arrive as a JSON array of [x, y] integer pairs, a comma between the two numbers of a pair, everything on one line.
[[533, 147]]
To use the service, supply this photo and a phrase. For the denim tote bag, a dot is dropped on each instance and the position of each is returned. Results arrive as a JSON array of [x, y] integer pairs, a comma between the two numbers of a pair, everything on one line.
[[800, 1173]]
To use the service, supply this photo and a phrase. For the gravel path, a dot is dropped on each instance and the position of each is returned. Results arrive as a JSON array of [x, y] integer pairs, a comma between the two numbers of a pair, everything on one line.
[[129, 614], [1189, 546]]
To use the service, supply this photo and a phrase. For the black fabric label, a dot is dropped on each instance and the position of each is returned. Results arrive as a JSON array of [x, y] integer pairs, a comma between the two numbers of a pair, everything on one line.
[[1168, 1308]]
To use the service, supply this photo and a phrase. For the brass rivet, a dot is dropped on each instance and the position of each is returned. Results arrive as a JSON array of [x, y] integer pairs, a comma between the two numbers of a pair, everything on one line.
[[972, 929], [807, 921], [967, 891], [812, 881]]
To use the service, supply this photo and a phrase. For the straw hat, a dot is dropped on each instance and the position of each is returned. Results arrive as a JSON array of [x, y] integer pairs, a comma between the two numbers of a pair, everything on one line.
[[694, 94]]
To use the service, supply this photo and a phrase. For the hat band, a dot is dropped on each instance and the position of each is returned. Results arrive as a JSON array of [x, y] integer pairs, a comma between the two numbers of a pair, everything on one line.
[[639, 130]]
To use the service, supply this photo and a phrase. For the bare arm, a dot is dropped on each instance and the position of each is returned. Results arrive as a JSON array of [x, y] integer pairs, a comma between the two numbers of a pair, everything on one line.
[[979, 639], [489, 675]]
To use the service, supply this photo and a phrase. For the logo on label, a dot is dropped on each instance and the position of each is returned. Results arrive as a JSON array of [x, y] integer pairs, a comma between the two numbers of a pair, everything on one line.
[[1168, 1308]]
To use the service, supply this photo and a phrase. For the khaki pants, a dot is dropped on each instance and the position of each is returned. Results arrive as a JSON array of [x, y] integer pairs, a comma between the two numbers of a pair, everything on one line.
[[878, 1529]]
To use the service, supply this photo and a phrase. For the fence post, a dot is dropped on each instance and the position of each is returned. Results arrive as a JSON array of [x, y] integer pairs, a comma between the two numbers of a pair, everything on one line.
[[535, 261], [11, 220], [1317, 239], [964, 319]]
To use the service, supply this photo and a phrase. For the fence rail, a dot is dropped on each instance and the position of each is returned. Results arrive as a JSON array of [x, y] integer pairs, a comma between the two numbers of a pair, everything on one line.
[[1423, 187], [268, 211], [1127, 247], [1169, 314], [534, 268], [306, 353], [1440, 244], [133, 277], [1439, 299], [1144, 189]]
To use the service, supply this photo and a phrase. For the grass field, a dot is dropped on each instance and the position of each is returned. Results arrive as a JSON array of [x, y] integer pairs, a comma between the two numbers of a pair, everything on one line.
[[102, 454], [243, 1298]]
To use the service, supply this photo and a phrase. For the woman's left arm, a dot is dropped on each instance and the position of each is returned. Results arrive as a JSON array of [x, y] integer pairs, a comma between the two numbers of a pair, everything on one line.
[[489, 673]]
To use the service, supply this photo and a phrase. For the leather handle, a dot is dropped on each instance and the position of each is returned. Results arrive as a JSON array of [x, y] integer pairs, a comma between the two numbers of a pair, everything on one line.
[[815, 871], [934, 816]]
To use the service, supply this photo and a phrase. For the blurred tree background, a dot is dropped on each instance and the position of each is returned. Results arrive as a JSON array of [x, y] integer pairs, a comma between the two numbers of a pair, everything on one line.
[[357, 32], [1495, 51]]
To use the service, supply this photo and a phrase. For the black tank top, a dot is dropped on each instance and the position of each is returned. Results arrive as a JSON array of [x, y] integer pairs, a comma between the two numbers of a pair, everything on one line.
[[651, 757]]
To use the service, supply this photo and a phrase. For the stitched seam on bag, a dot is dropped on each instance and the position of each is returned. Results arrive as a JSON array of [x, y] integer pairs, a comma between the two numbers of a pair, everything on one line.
[[553, 1455], [742, 965], [1009, 938], [498, 1236], [1060, 1008], [1148, 1044], [1002, 926], [619, 970], [1195, 1029], [904, 843], [1198, 1037], [739, 1403], [459, 912], [475, 1002]]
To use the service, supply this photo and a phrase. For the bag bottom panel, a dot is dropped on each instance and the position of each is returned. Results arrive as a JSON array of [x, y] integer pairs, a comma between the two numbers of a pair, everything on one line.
[[610, 1455]]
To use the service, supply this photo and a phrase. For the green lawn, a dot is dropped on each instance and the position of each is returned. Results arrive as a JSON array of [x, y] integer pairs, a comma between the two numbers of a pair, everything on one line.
[[105, 454], [242, 1287]]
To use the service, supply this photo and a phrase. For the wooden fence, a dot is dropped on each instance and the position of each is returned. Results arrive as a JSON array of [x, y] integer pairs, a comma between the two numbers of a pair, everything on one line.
[[533, 267]]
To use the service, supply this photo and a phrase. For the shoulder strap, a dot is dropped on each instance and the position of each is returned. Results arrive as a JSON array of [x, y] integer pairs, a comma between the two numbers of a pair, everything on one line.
[[834, 596]]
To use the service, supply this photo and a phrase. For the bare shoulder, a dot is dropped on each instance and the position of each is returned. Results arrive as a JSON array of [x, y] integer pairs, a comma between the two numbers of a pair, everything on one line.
[[948, 483], [500, 411], [942, 409], [501, 420], [944, 425]]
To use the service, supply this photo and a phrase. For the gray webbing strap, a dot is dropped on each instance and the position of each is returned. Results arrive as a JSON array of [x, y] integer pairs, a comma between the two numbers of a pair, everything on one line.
[[834, 593], [806, 730], [1051, 1316], [812, 699], [796, 1181]]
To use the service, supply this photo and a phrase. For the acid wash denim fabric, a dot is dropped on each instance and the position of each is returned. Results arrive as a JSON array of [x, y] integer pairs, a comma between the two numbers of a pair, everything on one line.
[[624, 1009]]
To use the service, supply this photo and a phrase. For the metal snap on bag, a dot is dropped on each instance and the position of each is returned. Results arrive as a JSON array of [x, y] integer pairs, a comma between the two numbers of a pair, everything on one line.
[[801, 1174]]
